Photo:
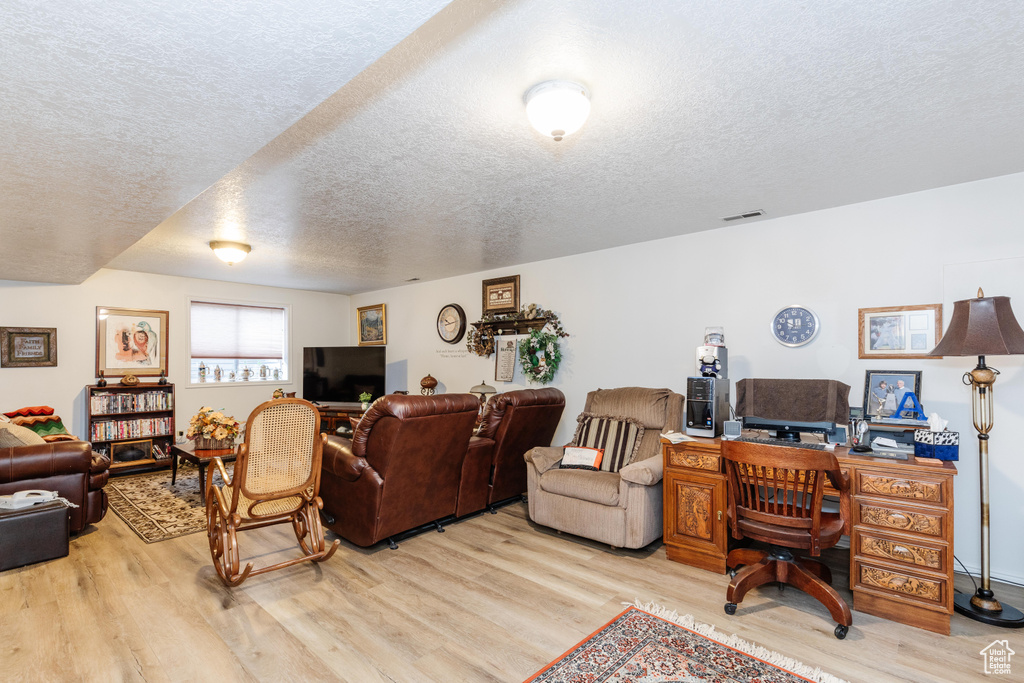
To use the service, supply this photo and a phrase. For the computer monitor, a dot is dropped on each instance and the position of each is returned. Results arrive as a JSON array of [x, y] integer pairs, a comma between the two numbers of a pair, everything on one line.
[[788, 430], [790, 407]]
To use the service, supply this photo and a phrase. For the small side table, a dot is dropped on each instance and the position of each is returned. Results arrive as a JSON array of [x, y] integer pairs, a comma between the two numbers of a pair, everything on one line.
[[201, 458]]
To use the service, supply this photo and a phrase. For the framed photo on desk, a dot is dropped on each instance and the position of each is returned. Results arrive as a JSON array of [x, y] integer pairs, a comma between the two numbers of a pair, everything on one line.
[[884, 390]]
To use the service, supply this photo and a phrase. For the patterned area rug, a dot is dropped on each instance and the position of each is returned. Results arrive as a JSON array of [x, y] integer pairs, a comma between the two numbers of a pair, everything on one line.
[[649, 644], [157, 510]]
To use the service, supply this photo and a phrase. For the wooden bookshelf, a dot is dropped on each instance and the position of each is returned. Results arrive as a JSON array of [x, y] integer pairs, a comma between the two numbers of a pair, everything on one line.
[[125, 422]]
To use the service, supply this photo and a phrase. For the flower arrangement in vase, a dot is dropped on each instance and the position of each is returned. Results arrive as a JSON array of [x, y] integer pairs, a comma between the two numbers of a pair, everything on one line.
[[211, 428], [364, 399]]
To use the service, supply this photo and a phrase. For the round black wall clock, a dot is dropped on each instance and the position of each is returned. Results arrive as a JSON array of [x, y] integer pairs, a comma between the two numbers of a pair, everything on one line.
[[795, 326], [451, 323]]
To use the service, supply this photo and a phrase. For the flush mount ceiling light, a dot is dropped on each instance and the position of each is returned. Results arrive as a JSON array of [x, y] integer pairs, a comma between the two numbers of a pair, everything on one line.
[[230, 252], [557, 108]]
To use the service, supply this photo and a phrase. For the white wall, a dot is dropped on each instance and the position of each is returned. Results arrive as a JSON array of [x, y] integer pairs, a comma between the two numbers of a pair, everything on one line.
[[318, 319], [637, 313]]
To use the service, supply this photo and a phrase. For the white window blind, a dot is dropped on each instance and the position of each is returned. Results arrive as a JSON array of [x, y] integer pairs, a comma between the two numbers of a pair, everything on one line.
[[237, 331]]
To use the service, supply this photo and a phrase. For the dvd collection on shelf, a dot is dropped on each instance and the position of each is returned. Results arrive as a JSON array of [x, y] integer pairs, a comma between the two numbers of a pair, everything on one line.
[[149, 401], [130, 429]]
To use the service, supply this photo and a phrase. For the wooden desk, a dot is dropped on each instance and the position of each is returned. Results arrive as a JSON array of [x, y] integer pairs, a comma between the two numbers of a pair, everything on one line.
[[899, 516]]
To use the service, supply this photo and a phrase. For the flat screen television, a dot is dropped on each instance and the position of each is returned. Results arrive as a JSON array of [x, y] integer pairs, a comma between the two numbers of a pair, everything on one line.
[[338, 374]]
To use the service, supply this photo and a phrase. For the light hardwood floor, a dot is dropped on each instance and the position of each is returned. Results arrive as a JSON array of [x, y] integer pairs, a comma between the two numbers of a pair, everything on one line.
[[494, 598]]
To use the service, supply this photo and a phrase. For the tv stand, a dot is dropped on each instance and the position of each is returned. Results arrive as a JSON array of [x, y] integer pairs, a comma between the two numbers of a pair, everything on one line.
[[335, 415]]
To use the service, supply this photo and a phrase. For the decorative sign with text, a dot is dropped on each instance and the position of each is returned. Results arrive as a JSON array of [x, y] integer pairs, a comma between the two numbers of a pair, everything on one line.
[[505, 359]]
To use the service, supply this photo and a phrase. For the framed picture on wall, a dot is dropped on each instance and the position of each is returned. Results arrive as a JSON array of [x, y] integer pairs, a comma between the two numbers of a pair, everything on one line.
[[28, 347], [884, 391], [505, 359], [130, 341], [501, 295], [899, 332], [373, 325]]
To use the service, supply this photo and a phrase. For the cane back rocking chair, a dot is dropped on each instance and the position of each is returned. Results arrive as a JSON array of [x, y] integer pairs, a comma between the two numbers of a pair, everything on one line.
[[276, 481], [775, 496]]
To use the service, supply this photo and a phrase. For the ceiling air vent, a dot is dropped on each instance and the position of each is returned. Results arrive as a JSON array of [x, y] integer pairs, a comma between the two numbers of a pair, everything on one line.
[[741, 216]]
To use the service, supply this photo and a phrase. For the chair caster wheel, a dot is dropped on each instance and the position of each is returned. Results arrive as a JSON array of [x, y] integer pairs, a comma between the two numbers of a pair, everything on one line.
[[841, 631], [730, 608]]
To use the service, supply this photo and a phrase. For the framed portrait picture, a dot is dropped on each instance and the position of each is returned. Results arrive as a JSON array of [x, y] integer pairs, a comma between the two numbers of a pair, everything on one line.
[[899, 332], [130, 341], [28, 347], [373, 325], [884, 391], [501, 295], [130, 451], [505, 359]]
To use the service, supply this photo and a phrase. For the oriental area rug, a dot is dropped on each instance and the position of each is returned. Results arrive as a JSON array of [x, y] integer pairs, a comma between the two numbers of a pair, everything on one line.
[[649, 644], [158, 510]]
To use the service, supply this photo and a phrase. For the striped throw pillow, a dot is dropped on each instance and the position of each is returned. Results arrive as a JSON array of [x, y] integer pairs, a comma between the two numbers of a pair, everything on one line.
[[619, 438]]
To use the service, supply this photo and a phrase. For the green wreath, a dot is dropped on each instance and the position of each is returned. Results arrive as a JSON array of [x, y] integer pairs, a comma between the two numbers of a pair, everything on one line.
[[540, 356]]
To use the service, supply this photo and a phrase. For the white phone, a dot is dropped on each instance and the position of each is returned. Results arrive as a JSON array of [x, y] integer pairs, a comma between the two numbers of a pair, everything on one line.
[[24, 499]]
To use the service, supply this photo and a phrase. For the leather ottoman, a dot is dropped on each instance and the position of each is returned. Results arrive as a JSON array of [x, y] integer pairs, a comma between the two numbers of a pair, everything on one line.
[[33, 534]]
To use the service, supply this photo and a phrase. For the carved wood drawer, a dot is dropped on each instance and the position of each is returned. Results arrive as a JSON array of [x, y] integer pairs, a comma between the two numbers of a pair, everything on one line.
[[912, 553], [927, 522], [922, 588], [695, 460], [915, 488]]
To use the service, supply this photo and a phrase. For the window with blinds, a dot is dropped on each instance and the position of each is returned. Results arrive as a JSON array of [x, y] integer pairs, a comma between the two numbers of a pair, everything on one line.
[[237, 342]]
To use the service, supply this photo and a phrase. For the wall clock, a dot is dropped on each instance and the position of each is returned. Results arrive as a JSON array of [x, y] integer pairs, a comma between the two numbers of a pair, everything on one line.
[[451, 323], [795, 326]]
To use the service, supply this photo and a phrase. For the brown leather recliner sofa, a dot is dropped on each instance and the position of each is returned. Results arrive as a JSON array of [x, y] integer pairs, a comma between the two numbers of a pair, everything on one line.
[[68, 467], [516, 421], [401, 469]]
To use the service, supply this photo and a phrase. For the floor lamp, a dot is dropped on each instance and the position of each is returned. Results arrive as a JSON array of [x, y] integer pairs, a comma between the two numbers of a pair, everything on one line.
[[983, 327]]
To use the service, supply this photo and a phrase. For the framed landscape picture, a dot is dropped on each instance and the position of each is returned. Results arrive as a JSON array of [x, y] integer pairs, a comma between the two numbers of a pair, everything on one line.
[[373, 325], [899, 332], [28, 347], [130, 341], [501, 295]]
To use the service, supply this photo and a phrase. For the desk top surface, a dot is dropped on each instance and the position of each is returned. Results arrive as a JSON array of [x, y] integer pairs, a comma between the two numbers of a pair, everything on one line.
[[844, 456]]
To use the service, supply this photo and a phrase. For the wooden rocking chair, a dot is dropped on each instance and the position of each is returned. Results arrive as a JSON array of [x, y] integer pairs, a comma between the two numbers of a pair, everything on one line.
[[276, 480]]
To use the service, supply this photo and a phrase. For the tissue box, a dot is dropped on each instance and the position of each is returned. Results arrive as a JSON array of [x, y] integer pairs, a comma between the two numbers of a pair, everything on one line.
[[938, 445]]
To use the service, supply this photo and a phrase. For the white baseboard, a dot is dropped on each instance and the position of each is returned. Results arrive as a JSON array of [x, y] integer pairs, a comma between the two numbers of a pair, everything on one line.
[[1005, 577]]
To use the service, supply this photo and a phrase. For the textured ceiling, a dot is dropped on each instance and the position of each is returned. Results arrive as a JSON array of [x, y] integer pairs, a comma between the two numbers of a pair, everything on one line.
[[423, 164], [115, 114]]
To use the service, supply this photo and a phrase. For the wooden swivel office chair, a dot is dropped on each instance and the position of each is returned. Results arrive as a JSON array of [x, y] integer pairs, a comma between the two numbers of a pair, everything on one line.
[[775, 495], [276, 481]]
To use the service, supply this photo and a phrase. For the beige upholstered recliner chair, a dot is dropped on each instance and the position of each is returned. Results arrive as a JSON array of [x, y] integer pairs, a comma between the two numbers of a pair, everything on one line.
[[624, 508]]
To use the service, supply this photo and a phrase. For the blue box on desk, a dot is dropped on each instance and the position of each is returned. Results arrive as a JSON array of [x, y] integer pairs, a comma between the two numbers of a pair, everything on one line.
[[938, 445]]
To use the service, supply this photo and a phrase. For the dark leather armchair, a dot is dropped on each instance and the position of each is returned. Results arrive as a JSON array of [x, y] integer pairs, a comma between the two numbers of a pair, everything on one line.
[[401, 469], [515, 421], [775, 496], [68, 467]]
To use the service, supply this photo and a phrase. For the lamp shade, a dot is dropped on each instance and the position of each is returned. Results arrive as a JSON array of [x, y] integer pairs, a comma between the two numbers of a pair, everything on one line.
[[982, 327], [483, 389]]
